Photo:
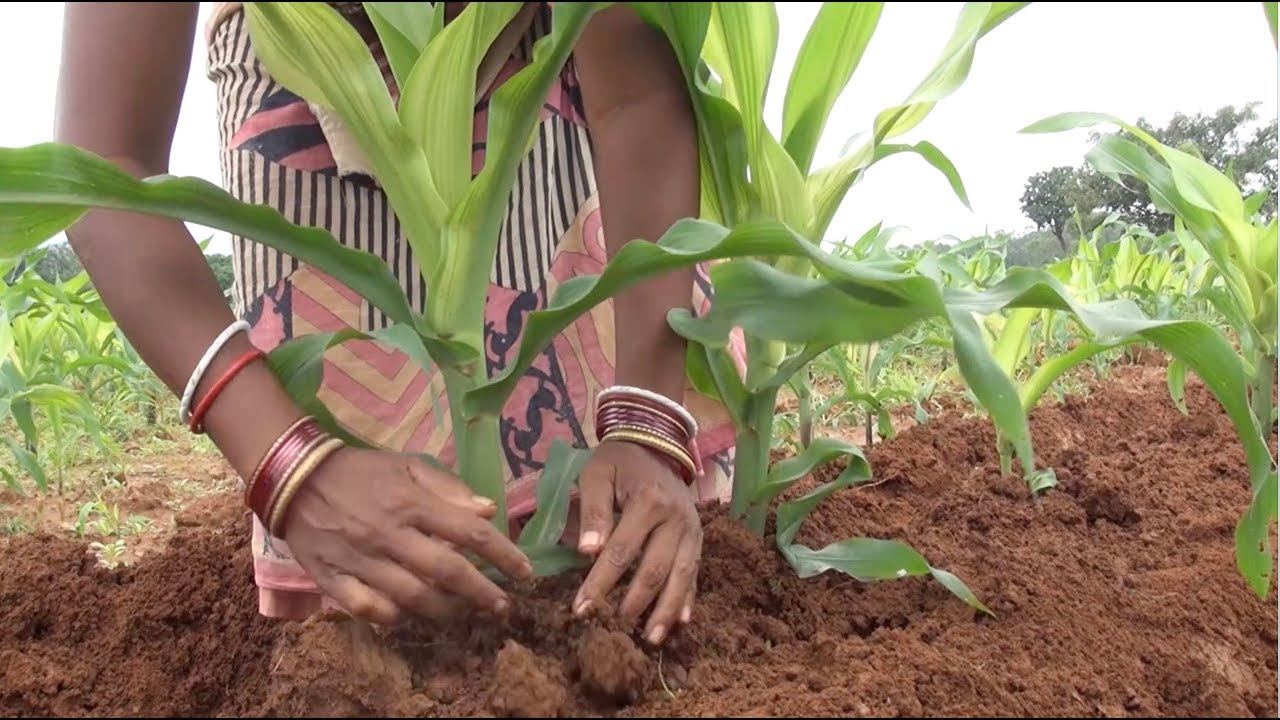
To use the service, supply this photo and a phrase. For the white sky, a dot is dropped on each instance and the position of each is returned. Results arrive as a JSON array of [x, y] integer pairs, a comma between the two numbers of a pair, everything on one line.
[[1120, 58]]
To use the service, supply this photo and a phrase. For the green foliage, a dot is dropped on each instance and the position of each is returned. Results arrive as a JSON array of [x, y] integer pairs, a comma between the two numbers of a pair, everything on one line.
[[1235, 141]]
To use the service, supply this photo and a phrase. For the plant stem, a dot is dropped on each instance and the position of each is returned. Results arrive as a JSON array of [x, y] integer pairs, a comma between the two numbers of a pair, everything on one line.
[[1045, 375], [751, 459], [480, 462], [806, 410], [1260, 388], [477, 446]]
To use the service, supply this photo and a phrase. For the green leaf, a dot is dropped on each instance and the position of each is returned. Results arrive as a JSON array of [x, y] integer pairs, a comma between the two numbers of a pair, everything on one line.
[[934, 157], [869, 560], [547, 561], [820, 452], [742, 42], [1269, 10], [6, 335], [829, 186], [28, 461], [552, 560], [559, 475], [310, 49], [713, 373], [21, 408], [416, 22], [394, 21], [950, 72], [437, 104], [62, 176], [826, 62], [1176, 378], [473, 232], [1253, 537]]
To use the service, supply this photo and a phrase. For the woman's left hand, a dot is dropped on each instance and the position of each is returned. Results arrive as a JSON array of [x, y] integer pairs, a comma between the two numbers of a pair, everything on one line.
[[659, 527]]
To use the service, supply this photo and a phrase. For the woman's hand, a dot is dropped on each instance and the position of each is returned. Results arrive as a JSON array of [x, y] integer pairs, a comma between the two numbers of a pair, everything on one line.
[[659, 527], [383, 534]]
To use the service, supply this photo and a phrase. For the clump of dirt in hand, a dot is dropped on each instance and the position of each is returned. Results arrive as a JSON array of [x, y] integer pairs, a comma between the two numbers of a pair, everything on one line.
[[522, 688], [611, 665], [336, 666]]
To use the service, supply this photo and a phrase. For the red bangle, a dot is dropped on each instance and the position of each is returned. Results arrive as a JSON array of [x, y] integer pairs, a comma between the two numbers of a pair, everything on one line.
[[260, 495], [197, 417], [638, 414]]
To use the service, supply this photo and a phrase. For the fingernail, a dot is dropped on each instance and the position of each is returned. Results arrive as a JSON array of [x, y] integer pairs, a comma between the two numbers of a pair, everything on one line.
[[501, 606], [581, 606], [656, 634], [482, 501], [589, 541], [686, 614]]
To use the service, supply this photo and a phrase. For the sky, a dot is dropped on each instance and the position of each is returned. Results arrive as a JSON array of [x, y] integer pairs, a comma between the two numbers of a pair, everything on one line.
[[1121, 58]]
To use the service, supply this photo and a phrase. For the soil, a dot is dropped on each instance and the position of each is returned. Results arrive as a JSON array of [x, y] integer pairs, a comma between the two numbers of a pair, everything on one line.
[[1115, 595]]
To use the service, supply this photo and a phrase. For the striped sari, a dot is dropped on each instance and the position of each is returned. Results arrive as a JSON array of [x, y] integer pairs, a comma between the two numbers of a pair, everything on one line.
[[278, 150]]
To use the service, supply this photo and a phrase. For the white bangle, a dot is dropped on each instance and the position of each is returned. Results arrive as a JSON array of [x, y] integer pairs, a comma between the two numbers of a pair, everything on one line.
[[690, 424], [184, 410]]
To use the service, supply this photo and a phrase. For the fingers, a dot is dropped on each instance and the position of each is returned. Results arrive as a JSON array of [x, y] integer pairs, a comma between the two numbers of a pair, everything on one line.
[[469, 532], [411, 593], [596, 484], [450, 489], [621, 550], [358, 599], [686, 612], [676, 603], [446, 569], [651, 576]]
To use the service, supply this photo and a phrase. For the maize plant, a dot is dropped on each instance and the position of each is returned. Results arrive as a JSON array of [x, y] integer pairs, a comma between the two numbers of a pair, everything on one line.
[[1241, 246], [817, 301]]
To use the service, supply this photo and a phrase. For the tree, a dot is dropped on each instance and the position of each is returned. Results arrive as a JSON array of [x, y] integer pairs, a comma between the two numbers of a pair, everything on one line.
[[1047, 200], [221, 266]]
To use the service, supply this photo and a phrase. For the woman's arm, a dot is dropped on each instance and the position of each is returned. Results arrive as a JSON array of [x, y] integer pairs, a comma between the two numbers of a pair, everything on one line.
[[646, 160], [124, 70]]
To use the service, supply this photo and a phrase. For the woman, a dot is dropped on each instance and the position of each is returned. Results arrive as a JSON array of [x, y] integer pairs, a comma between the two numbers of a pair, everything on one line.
[[374, 531]]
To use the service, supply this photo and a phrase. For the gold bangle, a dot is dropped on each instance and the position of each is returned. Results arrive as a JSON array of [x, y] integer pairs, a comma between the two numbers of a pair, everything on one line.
[[657, 443], [297, 478]]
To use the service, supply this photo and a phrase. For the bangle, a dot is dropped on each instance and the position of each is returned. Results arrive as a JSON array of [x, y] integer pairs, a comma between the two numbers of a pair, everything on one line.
[[669, 449], [184, 408], [635, 393], [197, 418], [264, 485], [303, 470], [653, 421]]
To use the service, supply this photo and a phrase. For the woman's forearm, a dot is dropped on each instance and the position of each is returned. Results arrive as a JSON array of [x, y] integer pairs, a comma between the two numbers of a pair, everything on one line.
[[124, 67], [155, 281], [646, 158], [647, 173]]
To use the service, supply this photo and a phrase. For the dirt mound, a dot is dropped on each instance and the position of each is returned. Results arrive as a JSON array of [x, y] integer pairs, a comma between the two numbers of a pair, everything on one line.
[[178, 635], [1115, 595]]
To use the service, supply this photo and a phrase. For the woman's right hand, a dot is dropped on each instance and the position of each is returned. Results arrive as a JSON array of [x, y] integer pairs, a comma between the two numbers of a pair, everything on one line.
[[383, 535]]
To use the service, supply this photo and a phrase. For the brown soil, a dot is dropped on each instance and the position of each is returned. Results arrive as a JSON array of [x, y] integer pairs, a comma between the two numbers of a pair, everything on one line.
[[1115, 595]]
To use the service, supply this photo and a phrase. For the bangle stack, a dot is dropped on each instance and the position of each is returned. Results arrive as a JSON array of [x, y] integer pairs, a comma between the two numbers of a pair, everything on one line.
[[646, 418], [284, 470]]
